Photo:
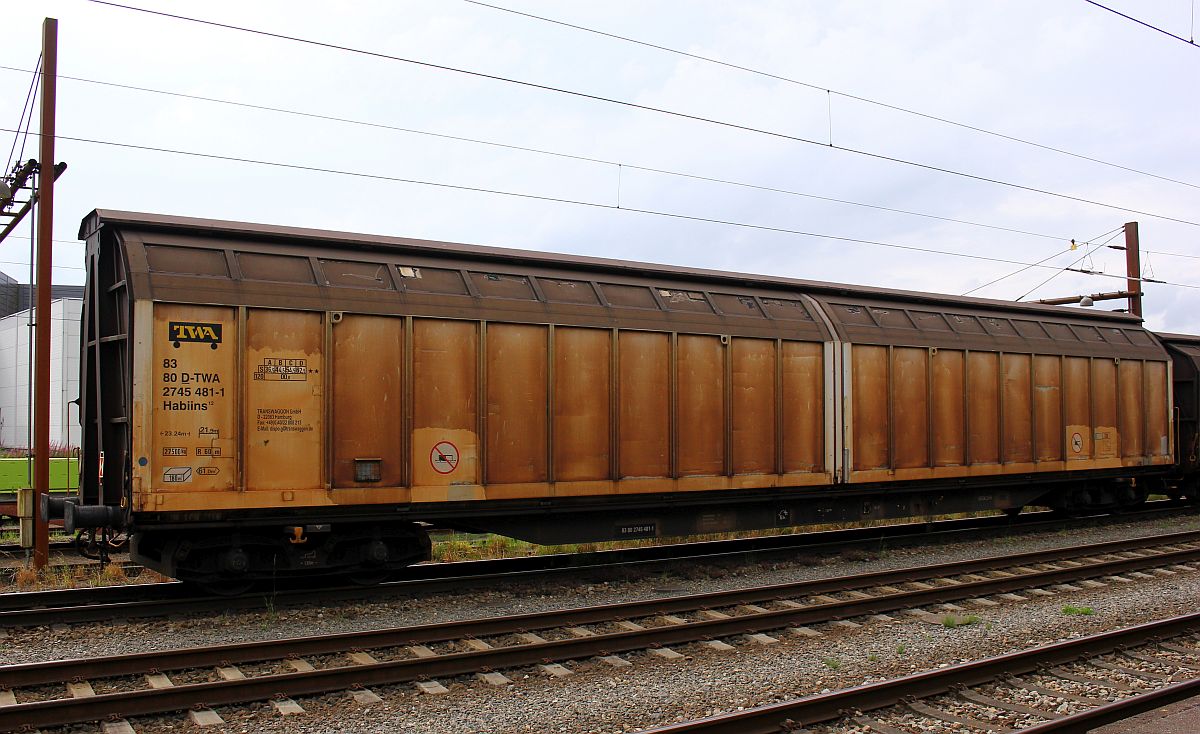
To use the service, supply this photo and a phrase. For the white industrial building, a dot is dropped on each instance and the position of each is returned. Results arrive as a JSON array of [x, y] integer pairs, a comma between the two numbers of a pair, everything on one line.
[[16, 356]]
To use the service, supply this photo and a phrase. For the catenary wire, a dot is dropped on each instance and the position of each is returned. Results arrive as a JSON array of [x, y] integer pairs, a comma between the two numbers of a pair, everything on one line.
[[24, 108], [648, 108], [576, 202], [1052, 276], [26, 237], [32, 105], [56, 267], [1016, 272], [1172, 254], [542, 151], [1039, 262], [817, 87], [28, 123], [1086, 254], [591, 159], [1142, 22]]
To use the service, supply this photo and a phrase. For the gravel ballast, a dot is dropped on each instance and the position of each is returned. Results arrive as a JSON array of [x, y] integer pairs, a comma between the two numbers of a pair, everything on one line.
[[654, 690]]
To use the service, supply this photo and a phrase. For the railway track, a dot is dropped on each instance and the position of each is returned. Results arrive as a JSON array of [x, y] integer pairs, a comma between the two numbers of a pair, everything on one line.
[[1072, 686], [281, 669], [56, 545], [75, 606]]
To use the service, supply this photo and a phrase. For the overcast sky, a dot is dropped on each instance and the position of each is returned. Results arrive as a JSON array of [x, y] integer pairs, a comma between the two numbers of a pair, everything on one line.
[[1064, 74]]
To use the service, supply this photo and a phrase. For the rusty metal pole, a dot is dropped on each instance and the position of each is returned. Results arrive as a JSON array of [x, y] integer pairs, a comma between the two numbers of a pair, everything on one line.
[[1133, 269], [45, 233]]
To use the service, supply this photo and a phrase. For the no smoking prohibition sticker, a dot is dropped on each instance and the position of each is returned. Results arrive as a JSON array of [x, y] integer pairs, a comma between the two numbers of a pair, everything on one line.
[[444, 457]]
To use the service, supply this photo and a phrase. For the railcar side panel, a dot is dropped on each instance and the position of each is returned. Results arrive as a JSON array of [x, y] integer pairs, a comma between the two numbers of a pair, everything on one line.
[[368, 402], [948, 411], [1077, 392], [753, 405], [1104, 411], [194, 431], [700, 370], [909, 405], [871, 396], [516, 405], [645, 391], [284, 414], [692, 411], [1048, 407], [1016, 410], [1131, 393], [445, 412], [1025, 413], [1158, 408], [982, 389], [803, 410], [582, 404]]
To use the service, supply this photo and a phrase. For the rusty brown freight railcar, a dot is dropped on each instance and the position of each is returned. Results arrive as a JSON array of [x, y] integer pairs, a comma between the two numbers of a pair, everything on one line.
[[276, 400], [1185, 357]]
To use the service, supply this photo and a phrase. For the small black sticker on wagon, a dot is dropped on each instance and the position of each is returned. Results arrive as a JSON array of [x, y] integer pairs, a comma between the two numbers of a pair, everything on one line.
[[194, 331], [638, 530]]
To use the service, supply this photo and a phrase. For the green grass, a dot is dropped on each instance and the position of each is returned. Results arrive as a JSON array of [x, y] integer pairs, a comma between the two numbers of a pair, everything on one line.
[[832, 663], [14, 473], [1077, 611], [951, 622]]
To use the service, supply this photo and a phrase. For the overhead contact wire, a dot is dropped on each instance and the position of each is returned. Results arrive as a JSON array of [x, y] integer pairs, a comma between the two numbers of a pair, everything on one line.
[[634, 105], [820, 88], [1191, 43], [544, 151], [1016, 272], [1087, 253], [25, 108], [561, 200]]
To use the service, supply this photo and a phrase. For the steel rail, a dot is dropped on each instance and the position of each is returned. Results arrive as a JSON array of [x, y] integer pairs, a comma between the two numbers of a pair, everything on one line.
[[65, 606], [820, 708], [65, 711], [134, 663], [28, 674], [55, 545], [1085, 721]]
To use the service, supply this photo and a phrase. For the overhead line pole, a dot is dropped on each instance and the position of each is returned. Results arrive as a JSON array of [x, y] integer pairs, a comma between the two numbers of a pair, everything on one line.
[[45, 251], [1133, 269], [1133, 278]]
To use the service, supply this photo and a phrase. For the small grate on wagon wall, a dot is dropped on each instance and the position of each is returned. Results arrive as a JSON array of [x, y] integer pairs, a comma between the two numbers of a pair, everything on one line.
[[368, 470]]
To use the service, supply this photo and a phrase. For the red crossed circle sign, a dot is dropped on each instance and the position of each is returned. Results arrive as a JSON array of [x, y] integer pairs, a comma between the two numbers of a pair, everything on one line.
[[444, 457]]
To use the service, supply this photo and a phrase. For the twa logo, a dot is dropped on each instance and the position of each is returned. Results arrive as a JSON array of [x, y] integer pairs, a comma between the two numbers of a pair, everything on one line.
[[192, 331]]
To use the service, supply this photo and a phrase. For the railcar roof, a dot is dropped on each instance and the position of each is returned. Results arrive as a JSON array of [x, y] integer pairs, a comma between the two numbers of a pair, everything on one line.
[[354, 241]]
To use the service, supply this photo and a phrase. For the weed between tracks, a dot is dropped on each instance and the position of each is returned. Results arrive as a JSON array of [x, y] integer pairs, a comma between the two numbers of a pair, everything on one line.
[[951, 622], [77, 576]]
